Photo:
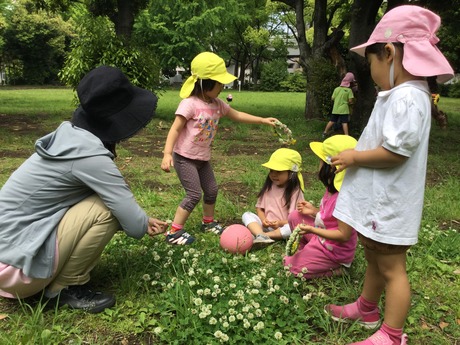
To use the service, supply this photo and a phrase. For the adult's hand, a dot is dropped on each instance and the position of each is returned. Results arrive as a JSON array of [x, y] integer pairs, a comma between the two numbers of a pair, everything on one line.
[[156, 227]]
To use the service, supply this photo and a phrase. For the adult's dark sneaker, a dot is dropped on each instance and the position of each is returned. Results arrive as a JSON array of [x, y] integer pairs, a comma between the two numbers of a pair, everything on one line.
[[82, 297]]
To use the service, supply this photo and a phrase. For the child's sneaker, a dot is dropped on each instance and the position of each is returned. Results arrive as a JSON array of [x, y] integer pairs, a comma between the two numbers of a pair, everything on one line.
[[351, 313], [180, 237], [381, 338], [261, 241], [213, 227]]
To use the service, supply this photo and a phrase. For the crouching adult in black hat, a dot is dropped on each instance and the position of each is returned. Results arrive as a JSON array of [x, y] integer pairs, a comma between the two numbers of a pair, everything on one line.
[[62, 206]]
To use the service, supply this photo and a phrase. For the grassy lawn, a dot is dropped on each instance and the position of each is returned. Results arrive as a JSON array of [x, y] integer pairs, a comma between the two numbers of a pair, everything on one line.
[[202, 295]]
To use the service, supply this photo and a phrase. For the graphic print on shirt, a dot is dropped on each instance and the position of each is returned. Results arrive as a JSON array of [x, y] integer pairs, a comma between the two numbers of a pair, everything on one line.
[[206, 124]]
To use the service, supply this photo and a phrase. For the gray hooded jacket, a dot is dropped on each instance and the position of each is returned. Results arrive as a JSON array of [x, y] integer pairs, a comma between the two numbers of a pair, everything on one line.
[[69, 165]]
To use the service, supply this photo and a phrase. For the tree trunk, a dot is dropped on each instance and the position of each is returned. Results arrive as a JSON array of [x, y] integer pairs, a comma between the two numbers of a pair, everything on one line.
[[363, 17], [124, 19]]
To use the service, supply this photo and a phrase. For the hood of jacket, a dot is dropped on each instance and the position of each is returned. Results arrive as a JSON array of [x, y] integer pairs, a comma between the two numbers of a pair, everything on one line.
[[70, 142]]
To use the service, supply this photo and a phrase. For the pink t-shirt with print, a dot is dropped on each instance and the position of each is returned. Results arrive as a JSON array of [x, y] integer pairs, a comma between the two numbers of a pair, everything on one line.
[[272, 201], [195, 140]]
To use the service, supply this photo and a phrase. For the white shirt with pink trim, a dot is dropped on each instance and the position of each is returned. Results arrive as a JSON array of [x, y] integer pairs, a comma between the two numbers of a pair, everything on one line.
[[386, 204]]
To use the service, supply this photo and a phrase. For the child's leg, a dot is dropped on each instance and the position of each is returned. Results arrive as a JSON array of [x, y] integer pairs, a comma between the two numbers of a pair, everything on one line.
[[345, 128], [187, 171], [210, 189], [397, 288], [253, 223], [328, 127]]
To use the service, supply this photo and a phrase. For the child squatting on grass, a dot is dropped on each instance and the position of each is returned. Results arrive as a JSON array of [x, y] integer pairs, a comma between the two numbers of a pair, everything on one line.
[[324, 247], [188, 145], [382, 193], [282, 190]]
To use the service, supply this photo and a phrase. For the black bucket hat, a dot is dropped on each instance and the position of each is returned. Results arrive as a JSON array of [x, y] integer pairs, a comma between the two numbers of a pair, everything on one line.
[[111, 107]]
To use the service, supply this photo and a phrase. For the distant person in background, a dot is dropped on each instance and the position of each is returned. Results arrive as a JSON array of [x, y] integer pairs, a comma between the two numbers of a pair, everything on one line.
[[62, 206], [439, 115], [343, 99]]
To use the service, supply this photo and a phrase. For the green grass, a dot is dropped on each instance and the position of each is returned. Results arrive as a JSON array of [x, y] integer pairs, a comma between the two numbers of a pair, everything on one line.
[[177, 295]]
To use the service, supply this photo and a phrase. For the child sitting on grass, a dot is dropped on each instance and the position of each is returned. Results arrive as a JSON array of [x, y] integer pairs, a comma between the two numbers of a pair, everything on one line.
[[282, 190]]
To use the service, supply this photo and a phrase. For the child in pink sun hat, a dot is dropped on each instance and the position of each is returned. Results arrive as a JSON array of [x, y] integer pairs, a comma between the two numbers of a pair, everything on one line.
[[382, 193]]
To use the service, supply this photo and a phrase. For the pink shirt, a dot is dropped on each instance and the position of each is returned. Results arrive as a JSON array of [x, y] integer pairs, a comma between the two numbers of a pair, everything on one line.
[[342, 252], [274, 205], [195, 140]]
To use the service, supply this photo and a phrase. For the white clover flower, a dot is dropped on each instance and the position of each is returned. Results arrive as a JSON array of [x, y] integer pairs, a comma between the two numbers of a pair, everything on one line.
[[209, 272], [257, 284], [157, 258], [192, 283], [224, 260], [170, 253], [284, 299], [192, 250], [191, 272], [232, 311], [146, 277], [207, 292], [154, 282], [239, 316], [232, 303], [307, 297], [286, 268], [255, 304], [254, 291], [260, 324], [231, 318], [218, 334], [321, 294], [304, 270], [197, 301], [202, 315], [183, 261], [157, 330], [199, 292], [193, 311], [215, 287], [232, 285], [278, 335], [250, 315], [225, 324], [186, 254], [246, 308], [214, 294], [299, 275], [246, 324], [224, 337], [170, 285], [157, 275], [212, 321], [258, 313], [216, 279], [174, 280]]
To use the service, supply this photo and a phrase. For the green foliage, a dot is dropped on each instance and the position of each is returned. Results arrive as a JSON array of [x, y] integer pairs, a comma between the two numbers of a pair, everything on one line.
[[273, 74], [324, 80], [294, 82], [454, 90], [36, 41], [97, 44]]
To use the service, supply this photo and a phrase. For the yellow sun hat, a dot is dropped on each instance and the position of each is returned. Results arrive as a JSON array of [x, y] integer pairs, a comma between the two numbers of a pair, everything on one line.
[[286, 159], [206, 65], [331, 147]]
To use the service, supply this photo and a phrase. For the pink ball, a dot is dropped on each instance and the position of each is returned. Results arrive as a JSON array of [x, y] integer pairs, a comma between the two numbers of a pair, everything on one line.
[[236, 239]]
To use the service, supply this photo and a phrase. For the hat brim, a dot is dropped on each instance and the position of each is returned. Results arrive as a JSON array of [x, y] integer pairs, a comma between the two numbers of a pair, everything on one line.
[[317, 148], [125, 123]]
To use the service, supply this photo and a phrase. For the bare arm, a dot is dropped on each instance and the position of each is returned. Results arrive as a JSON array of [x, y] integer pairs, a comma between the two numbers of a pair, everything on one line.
[[377, 158], [239, 116], [173, 134], [342, 234]]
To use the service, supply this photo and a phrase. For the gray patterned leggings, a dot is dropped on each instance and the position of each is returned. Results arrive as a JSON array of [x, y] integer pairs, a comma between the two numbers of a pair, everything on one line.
[[195, 176]]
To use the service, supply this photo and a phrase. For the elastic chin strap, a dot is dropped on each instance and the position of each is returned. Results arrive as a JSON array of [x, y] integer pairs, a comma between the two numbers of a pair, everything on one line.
[[392, 68]]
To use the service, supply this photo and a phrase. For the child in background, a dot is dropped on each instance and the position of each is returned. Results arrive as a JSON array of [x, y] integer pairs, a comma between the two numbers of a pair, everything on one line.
[[382, 193], [188, 145], [324, 247], [343, 99], [282, 190]]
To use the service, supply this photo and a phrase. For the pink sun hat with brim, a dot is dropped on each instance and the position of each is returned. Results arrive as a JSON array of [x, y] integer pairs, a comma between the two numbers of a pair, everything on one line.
[[347, 80], [416, 27]]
